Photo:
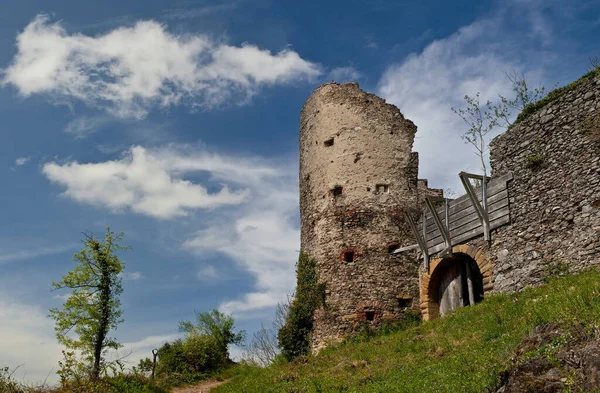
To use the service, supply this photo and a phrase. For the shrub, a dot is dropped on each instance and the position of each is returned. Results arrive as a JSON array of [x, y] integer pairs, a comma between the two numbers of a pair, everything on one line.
[[294, 335]]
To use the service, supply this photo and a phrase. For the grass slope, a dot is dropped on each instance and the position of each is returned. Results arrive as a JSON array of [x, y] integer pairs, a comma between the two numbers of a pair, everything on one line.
[[465, 352]]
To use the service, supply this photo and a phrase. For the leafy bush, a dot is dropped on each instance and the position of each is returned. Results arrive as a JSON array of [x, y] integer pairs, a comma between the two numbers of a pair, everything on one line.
[[294, 335], [7, 383], [202, 352]]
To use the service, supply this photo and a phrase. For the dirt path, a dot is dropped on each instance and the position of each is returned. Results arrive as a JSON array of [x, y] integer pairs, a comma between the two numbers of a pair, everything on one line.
[[203, 387]]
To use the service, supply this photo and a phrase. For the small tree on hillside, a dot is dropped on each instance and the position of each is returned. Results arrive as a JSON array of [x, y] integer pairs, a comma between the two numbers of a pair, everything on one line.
[[264, 346], [216, 325], [92, 309]]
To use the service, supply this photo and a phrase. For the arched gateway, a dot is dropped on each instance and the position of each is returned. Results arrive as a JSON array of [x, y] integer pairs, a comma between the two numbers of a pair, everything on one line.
[[454, 281]]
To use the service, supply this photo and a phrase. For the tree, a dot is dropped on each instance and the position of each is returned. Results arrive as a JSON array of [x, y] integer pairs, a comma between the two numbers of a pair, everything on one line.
[[264, 346], [216, 326], [93, 307], [483, 118]]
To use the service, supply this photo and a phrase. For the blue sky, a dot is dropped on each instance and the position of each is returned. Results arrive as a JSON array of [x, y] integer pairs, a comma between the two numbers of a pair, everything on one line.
[[177, 123]]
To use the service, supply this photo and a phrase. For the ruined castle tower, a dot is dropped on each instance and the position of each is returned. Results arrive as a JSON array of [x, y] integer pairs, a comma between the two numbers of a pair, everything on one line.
[[357, 174]]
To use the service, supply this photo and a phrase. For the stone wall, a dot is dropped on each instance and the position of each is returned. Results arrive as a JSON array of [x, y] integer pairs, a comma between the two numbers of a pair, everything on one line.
[[554, 198], [554, 155], [357, 174]]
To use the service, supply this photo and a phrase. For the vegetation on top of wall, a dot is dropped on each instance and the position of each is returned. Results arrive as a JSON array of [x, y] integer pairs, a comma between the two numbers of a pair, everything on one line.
[[554, 95], [294, 335], [471, 350]]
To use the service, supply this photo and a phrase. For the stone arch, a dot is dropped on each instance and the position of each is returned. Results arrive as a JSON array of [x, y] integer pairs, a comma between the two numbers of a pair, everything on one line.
[[429, 303]]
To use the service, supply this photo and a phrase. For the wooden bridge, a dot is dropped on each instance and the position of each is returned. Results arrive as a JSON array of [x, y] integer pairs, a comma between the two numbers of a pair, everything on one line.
[[456, 221]]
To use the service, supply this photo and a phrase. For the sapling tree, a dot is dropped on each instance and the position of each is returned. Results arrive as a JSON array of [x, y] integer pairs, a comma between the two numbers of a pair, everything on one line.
[[482, 118], [92, 309]]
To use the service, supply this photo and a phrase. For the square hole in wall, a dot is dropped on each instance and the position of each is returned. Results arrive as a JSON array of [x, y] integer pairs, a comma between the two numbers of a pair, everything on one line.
[[337, 191], [370, 315], [404, 301], [328, 142], [393, 247], [348, 256], [382, 188]]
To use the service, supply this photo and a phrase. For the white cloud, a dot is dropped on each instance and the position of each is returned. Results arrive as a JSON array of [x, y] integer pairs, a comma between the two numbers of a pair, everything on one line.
[[145, 181], [344, 74], [259, 229], [426, 85], [132, 276], [83, 126], [263, 237], [20, 255], [130, 69], [197, 12], [27, 339], [207, 273], [21, 161]]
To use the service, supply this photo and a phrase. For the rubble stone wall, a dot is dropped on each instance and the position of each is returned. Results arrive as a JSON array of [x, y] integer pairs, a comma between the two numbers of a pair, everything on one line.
[[357, 174], [554, 197]]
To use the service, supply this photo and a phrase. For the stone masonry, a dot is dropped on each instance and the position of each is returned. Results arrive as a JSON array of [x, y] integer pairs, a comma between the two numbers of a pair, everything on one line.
[[554, 156], [357, 174], [554, 198]]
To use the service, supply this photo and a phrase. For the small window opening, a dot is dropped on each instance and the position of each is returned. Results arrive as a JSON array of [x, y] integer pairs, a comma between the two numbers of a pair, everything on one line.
[[393, 247], [382, 188], [328, 142], [370, 315], [405, 301], [348, 256], [337, 191]]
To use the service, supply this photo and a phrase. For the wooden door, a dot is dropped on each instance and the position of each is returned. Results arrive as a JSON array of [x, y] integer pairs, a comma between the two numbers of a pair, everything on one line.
[[451, 292]]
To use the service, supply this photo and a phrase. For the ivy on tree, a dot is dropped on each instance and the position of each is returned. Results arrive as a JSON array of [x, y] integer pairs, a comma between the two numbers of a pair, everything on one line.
[[92, 309]]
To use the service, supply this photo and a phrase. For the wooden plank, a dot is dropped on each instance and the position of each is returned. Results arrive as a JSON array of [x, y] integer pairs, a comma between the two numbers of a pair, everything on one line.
[[469, 226], [493, 187], [471, 234], [464, 202], [502, 204], [494, 202]]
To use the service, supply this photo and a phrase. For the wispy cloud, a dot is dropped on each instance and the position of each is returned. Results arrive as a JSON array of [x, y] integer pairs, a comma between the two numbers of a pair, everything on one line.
[[197, 12], [344, 74], [207, 273], [21, 161], [27, 339], [262, 236], [132, 276], [20, 255], [131, 69], [83, 126], [474, 59]]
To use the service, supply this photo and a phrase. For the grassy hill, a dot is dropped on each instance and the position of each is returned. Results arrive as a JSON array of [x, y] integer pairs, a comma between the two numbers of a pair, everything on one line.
[[475, 349]]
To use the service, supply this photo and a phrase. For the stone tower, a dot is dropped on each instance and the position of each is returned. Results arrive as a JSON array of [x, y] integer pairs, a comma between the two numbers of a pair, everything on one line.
[[357, 174]]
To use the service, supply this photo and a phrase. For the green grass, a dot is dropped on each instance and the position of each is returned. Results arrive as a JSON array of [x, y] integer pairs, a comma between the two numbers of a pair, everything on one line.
[[119, 384], [465, 352]]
